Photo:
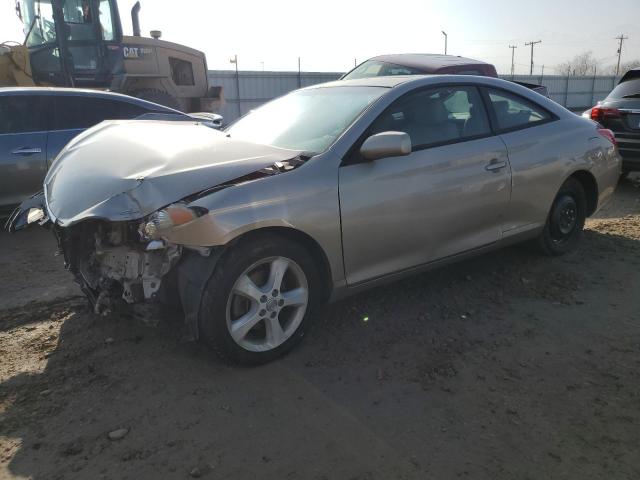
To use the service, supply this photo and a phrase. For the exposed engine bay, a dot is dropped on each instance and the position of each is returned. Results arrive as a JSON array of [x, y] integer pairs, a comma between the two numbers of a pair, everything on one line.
[[115, 261]]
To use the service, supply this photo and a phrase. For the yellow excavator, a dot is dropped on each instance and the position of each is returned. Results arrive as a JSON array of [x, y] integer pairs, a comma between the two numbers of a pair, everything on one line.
[[79, 43]]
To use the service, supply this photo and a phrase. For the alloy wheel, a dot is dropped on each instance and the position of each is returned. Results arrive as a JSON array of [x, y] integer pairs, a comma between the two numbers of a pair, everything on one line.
[[267, 304]]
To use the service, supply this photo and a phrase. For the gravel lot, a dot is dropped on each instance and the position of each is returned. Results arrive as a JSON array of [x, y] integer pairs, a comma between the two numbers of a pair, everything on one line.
[[507, 366]]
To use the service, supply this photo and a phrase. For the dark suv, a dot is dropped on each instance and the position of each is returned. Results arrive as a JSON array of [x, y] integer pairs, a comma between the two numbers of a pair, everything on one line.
[[620, 112]]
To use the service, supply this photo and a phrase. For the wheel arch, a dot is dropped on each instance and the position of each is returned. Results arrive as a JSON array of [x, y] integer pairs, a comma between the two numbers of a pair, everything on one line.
[[301, 238], [590, 186]]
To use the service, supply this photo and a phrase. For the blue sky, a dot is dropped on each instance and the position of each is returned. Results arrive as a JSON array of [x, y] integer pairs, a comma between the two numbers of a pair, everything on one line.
[[328, 35]]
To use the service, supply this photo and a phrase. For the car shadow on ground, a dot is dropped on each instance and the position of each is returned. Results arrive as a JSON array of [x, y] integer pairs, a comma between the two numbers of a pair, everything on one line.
[[527, 364]]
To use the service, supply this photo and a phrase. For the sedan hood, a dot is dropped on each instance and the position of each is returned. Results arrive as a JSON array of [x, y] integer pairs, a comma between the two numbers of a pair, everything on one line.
[[125, 170]]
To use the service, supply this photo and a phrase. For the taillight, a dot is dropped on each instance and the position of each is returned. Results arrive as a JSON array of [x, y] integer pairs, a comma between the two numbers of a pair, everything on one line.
[[609, 135], [601, 113]]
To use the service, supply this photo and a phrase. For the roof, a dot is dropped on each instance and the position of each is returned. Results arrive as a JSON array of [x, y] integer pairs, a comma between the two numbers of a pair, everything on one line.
[[427, 61], [386, 82], [82, 92], [56, 90]]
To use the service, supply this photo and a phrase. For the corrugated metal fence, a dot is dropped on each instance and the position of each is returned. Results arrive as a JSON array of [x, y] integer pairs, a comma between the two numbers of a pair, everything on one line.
[[259, 87], [575, 93]]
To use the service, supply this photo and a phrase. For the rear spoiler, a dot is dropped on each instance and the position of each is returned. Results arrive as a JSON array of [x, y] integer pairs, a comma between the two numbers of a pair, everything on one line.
[[541, 89]]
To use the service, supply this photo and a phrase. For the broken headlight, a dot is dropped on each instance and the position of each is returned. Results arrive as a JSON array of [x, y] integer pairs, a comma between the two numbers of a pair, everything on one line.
[[161, 222]]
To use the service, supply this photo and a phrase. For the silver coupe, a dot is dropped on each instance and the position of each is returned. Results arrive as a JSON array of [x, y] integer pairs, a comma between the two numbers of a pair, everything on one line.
[[316, 195]]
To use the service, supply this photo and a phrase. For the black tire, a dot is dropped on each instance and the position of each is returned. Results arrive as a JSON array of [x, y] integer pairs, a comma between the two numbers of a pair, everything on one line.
[[565, 221], [212, 315], [157, 96]]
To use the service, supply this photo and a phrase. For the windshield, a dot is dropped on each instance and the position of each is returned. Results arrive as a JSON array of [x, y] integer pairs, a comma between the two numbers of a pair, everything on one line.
[[44, 30], [630, 88], [375, 68], [309, 120]]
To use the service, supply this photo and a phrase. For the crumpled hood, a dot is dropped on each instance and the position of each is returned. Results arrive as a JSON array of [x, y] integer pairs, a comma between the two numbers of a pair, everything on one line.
[[125, 170]]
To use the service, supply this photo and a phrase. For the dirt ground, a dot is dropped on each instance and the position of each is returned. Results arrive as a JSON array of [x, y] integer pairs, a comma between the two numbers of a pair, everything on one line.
[[507, 366]]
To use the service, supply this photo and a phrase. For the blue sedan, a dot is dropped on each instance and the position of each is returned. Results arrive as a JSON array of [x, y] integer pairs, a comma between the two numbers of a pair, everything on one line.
[[36, 123]]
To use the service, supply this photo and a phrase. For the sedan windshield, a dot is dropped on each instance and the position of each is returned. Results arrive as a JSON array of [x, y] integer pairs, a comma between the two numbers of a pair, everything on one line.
[[309, 120], [376, 68]]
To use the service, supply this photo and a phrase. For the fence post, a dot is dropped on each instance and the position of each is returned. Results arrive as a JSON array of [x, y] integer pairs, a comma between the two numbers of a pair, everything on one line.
[[593, 85], [566, 92]]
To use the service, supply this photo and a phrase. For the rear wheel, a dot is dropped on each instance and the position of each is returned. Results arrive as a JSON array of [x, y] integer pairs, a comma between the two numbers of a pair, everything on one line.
[[260, 300], [565, 221], [157, 96]]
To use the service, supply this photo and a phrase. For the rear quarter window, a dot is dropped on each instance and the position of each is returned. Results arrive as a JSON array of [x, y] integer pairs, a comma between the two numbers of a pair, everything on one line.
[[630, 89], [513, 112]]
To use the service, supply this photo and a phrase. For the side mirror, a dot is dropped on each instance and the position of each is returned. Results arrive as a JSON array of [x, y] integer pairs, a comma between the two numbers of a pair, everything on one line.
[[386, 144]]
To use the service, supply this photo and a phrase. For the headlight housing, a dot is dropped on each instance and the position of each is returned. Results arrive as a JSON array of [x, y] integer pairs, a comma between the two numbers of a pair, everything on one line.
[[161, 222]]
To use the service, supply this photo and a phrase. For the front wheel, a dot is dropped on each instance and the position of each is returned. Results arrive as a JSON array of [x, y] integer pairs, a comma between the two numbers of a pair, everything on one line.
[[260, 300], [565, 221]]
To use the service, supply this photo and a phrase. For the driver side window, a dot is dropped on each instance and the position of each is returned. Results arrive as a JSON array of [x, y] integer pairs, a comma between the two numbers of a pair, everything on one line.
[[436, 116]]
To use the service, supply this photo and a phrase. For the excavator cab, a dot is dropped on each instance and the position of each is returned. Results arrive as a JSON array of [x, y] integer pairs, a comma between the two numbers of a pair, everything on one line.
[[75, 43]]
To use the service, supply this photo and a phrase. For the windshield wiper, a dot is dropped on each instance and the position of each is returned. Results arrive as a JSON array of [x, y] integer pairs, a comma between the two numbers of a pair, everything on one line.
[[632, 95]]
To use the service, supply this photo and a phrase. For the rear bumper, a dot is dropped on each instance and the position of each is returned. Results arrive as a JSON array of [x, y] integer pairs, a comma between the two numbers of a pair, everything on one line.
[[629, 148], [630, 159], [631, 164]]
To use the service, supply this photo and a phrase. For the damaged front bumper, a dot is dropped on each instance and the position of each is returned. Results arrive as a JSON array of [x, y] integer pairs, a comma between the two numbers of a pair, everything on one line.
[[113, 264], [116, 265]]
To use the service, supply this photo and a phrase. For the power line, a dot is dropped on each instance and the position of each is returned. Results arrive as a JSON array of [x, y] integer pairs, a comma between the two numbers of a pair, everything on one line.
[[513, 51], [622, 38], [532, 45]]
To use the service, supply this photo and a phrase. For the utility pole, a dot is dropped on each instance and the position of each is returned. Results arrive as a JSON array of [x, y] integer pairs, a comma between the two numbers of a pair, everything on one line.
[[234, 60], [532, 45], [445, 41], [622, 38], [513, 51]]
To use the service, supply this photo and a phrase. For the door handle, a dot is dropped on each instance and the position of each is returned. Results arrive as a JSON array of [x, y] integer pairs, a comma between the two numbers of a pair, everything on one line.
[[495, 165], [26, 150]]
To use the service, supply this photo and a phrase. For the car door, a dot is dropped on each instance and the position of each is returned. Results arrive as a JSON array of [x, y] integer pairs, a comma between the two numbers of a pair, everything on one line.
[[75, 113], [23, 142], [535, 144], [446, 197]]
